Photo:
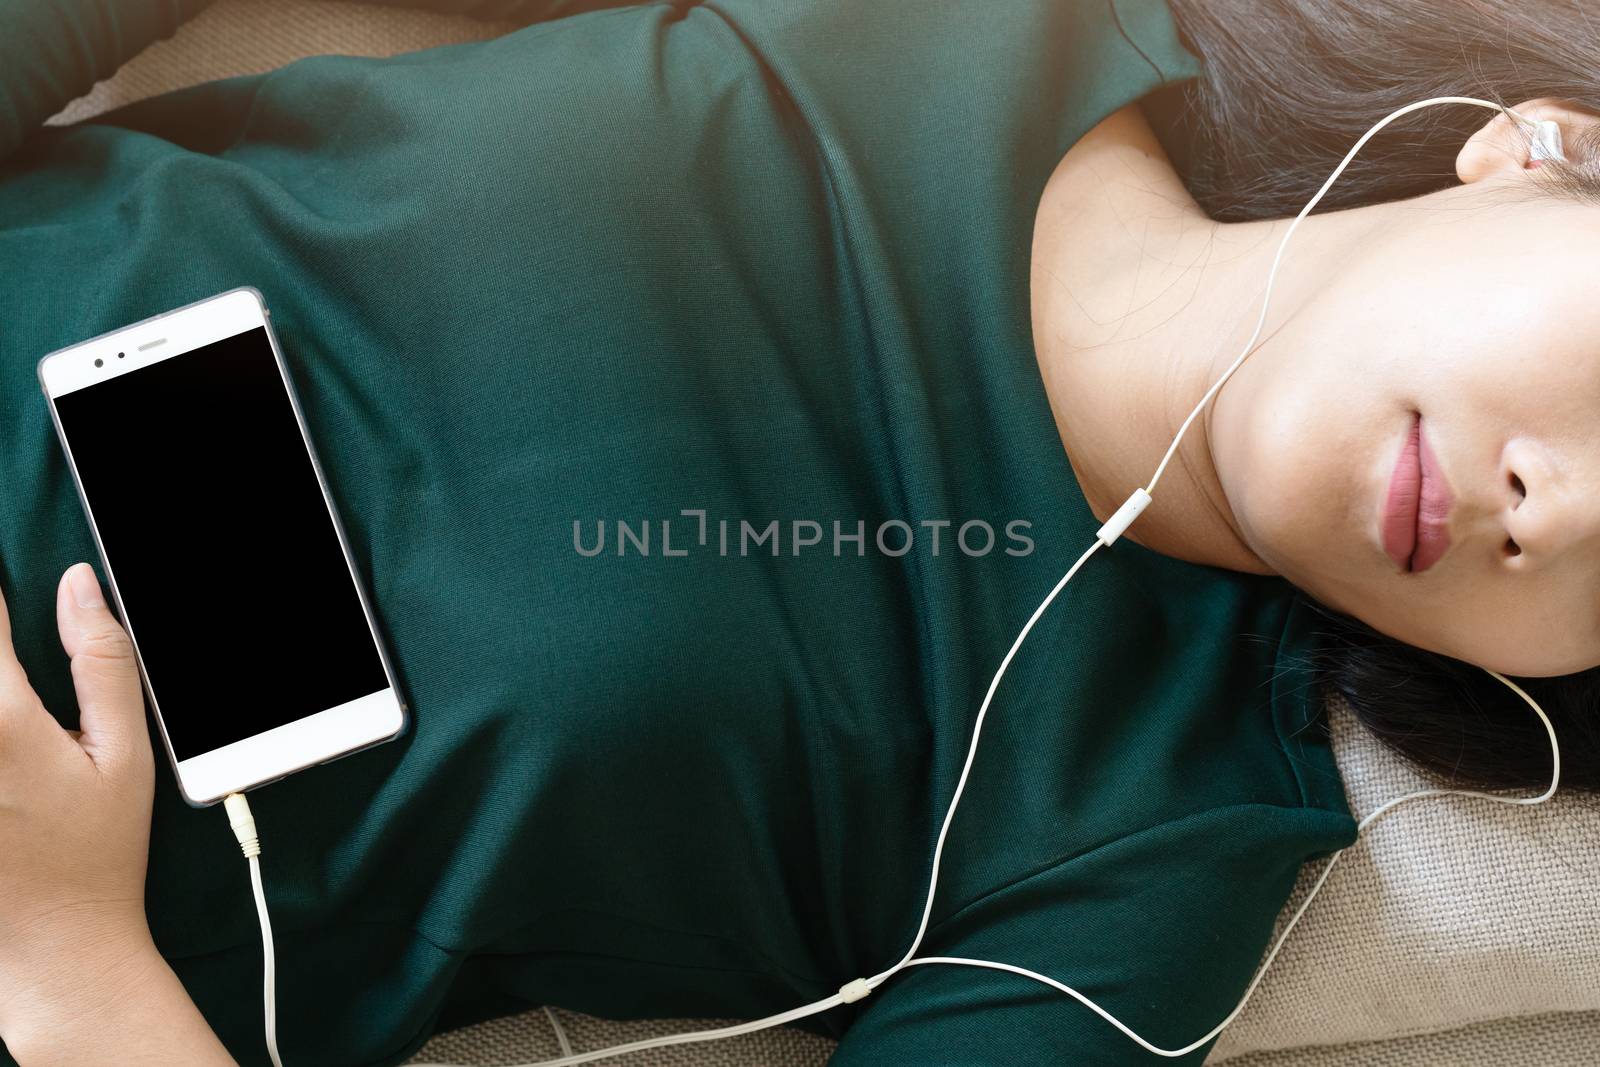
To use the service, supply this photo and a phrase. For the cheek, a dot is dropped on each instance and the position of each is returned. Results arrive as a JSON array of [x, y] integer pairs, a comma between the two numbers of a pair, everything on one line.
[[1295, 460]]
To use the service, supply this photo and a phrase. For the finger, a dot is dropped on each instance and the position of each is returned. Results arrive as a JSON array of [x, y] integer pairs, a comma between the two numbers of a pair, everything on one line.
[[11, 673], [104, 673]]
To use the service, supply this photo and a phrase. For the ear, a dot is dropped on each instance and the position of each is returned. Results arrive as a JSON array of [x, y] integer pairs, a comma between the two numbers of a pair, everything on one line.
[[1500, 148]]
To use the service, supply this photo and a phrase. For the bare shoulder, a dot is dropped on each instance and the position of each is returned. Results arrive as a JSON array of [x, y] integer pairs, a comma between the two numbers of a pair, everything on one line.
[[1115, 232], [1121, 156]]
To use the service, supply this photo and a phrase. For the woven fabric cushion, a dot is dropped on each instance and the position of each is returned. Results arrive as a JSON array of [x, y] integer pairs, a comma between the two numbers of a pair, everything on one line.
[[1451, 912], [529, 1037], [236, 37], [1556, 1040]]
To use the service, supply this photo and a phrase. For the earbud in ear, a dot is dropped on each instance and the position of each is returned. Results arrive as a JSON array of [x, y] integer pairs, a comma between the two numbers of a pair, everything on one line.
[[1546, 140]]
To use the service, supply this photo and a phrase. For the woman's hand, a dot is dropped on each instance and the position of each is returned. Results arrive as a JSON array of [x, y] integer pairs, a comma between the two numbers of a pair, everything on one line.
[[74, 812], [80, 978]]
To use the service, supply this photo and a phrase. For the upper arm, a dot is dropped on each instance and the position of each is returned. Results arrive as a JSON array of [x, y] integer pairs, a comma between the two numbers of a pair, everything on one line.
[[1163, 929]]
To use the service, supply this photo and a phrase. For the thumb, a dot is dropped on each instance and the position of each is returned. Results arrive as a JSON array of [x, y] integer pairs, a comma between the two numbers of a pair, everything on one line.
[[110, 701]]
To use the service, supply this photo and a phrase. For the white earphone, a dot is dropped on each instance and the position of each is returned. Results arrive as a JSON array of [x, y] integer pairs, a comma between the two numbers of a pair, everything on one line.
[[1546, 134], [1546, 144]]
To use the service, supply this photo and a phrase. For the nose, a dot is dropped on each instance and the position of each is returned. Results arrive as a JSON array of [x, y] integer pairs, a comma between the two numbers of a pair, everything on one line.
[[1544, 514]]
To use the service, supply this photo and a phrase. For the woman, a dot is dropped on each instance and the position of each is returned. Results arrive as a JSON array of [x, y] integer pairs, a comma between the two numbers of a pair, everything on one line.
[[751, 282]]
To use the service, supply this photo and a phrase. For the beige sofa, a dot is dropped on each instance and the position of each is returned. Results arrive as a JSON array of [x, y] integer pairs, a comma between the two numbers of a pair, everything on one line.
[[1459, 933]]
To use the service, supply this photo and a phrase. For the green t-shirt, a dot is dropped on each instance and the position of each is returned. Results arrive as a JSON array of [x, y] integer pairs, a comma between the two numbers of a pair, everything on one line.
[[690, 269]]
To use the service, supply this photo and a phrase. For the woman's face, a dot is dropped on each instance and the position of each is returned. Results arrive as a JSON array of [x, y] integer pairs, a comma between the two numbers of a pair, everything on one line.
[[1479, 325]]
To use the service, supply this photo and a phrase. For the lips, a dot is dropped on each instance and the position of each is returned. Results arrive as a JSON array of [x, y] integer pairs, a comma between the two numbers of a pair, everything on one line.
[[1416, 510]]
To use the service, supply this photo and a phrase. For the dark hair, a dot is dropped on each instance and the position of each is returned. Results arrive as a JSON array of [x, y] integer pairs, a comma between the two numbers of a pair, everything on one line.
[[1286, 88], [1462, 727]]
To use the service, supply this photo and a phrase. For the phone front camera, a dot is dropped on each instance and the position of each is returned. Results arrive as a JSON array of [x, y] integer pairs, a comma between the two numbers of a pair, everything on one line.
[[99, 363], [121, 354]]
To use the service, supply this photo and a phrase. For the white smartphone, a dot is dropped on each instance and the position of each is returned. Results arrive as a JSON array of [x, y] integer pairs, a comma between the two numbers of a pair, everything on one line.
[[226, 559]]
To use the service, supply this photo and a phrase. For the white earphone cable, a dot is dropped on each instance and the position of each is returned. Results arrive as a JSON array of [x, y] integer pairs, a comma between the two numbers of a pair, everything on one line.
[[559, 1030], [269, 982], [244, 829], [1108, 533]]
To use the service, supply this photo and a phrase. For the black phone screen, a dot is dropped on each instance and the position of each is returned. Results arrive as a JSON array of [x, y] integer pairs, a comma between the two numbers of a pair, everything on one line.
[[214, 528]]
